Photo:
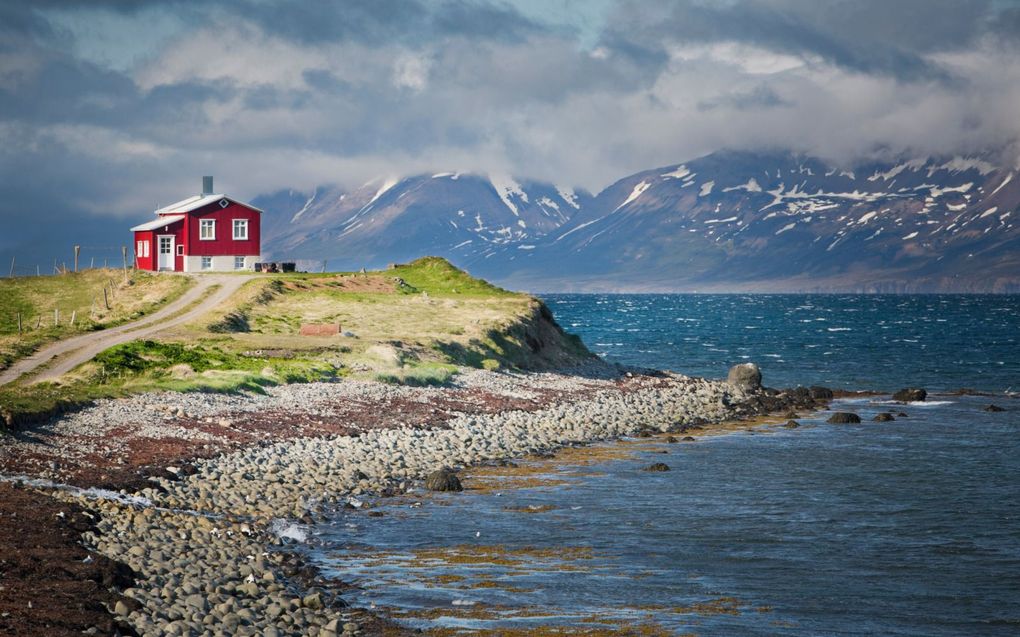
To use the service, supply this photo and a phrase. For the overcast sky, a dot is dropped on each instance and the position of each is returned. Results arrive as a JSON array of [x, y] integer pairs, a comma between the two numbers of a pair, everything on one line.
[[109, 108]]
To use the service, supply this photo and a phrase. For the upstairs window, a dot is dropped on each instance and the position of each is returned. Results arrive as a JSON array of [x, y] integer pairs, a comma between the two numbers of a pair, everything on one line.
[[207, 229], [240, 229]]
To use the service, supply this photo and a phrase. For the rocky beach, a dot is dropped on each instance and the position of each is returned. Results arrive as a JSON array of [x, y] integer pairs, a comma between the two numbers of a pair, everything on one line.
[[200, 494]]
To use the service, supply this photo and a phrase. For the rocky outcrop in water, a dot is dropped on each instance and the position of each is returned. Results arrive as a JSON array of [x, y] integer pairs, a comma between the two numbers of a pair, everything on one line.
[[843, 418], [910, 395]]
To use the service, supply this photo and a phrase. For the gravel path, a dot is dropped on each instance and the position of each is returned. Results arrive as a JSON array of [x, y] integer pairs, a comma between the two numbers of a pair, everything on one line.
[[70, 353]]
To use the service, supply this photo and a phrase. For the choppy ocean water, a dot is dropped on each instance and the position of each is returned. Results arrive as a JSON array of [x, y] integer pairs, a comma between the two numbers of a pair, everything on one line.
[[910, 527]]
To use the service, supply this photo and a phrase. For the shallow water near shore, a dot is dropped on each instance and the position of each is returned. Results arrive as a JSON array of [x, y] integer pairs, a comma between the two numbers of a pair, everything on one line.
[[907, 527], [900, 528]]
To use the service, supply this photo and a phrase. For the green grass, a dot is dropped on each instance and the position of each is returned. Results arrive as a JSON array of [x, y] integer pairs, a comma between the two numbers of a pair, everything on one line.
[[252, 341], [420, 375], [438, 277], [149, 365], [79, 294]]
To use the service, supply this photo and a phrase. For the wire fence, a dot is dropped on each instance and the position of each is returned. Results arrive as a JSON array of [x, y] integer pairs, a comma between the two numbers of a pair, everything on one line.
[[80, 258]]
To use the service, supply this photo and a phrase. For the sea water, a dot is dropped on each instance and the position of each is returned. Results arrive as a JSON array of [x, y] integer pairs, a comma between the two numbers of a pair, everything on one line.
[[910, 527]]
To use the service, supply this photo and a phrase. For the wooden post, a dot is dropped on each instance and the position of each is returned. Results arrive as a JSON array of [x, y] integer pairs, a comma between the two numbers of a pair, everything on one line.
[[106, 299], [105, 263], [92, 263], [12, 268], [74, 313], [38, 321], [37, 273], [77, 251], [56, 317], [55, 270], [123, 253], [19, 322]]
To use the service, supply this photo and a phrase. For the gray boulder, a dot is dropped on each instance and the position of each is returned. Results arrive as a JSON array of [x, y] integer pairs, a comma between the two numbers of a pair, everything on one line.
[[843, 418], [910, 395], [745, 375], [443, 480]]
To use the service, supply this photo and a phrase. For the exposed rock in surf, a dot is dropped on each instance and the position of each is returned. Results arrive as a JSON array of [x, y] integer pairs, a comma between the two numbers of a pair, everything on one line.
[[995, 408], [843, 418], [443, 480], [910, 395], [791, 424], [658, 466], [883, 417]]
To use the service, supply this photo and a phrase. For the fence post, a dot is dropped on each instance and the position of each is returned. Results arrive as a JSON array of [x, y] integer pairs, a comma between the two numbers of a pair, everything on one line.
[[77, 251], [56, 317], [92, 263], [106, 299], [19, 322], [12, 267], [74, 313]]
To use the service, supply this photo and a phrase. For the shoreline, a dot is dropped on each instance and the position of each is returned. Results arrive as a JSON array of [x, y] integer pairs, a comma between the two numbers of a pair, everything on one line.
[[203, 545]]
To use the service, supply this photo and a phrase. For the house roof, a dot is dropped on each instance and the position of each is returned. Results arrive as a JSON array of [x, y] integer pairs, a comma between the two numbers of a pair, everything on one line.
[[158, 223], [196, 202]]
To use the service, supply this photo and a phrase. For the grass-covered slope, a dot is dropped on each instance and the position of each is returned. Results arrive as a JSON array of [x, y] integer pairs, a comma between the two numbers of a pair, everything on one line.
[[78, 295], [414, 324]]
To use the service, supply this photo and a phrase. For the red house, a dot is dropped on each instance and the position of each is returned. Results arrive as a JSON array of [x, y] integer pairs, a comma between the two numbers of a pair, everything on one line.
[[206, 232]]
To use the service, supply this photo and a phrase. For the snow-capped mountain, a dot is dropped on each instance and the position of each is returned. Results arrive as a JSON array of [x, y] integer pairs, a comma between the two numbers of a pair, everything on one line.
[[730, 220], [461, 216]]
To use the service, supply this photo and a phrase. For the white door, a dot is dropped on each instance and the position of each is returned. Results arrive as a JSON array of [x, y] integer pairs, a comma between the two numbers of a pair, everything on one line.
[[166, 252]]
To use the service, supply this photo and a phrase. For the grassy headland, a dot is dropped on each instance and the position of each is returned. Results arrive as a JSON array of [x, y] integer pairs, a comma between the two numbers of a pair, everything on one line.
[[414, 324]]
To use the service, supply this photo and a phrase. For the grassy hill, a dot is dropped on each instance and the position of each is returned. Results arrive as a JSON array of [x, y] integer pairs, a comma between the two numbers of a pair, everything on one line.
[[95, 299], [414, 324]]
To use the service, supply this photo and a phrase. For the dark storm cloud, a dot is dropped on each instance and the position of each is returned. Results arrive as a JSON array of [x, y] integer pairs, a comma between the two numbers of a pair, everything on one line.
[[869, 36]]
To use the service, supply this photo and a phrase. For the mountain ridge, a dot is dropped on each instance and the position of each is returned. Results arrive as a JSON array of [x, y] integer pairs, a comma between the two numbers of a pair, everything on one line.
[[728, 221]]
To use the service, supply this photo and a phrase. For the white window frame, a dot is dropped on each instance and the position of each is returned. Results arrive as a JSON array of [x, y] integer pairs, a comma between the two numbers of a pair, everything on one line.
[[238, 260], [243, 224], [205, 263], [207, 224], [143, 248]]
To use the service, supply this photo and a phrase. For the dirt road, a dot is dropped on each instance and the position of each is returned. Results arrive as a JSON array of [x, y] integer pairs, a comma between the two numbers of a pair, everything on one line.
[[63, 356]]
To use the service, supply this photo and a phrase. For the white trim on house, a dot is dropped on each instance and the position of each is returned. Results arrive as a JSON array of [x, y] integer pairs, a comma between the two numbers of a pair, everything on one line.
[[172, 254], [158, 223], [220, 263], [202, 225], [234, 227]]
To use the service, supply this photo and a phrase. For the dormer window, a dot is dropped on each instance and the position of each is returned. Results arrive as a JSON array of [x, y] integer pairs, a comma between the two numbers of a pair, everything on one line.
[[224, 203], [207, 229], [240, 229]]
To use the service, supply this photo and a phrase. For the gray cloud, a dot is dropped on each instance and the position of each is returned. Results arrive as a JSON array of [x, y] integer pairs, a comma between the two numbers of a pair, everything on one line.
[[293, 94]]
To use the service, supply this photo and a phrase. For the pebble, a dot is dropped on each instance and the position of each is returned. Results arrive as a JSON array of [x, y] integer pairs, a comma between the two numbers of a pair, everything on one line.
[[203, 556]]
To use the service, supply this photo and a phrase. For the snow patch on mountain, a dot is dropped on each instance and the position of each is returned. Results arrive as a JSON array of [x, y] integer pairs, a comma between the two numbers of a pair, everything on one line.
[[506, 187], [750, 186], [634, 194], [706, 189], [679, 173]]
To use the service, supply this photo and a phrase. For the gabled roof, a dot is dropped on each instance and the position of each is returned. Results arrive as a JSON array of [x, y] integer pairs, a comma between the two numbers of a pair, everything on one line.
[[197, 201], [158, 223]]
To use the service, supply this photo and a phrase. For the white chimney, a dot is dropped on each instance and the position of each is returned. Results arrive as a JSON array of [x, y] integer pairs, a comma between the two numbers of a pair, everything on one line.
[[207, 185]]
